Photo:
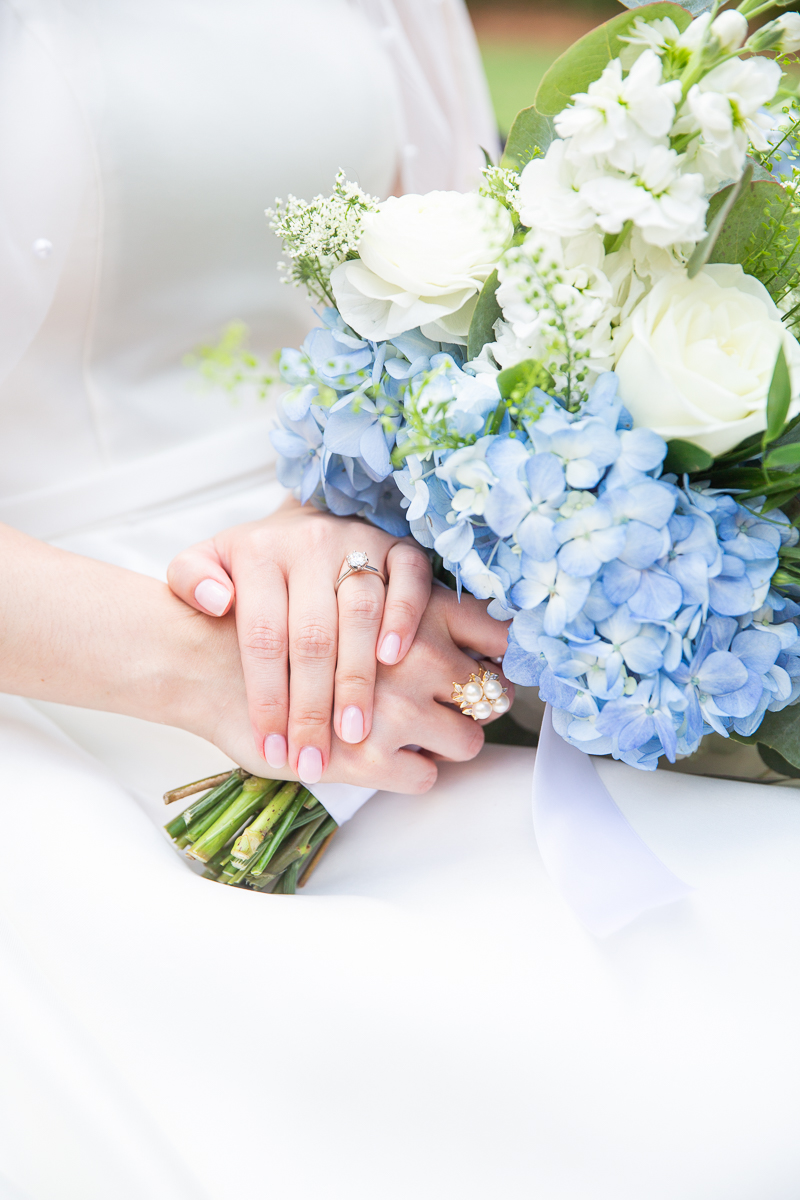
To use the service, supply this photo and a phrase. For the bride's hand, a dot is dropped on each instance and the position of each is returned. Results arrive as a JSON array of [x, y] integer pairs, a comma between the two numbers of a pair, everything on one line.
[[281, 572], [412, 702]]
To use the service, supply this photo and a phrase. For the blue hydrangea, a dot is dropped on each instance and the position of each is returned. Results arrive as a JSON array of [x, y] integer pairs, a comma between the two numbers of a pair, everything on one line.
[[641, 607]]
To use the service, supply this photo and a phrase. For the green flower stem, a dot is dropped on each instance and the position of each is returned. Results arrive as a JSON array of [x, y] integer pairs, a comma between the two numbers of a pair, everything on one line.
[[178, 825], [201, 785], [269, 850], [249, 841], [249, 799], [198, 827], [290, 879]]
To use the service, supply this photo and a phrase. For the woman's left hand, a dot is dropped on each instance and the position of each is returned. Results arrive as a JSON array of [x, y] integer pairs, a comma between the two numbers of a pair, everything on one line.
[[308, 655]]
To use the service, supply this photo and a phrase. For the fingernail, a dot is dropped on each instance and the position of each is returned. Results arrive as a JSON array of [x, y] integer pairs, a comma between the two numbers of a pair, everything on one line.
[[390, 649], [275, 750], [309, 765], [352, 724], [212, 596]]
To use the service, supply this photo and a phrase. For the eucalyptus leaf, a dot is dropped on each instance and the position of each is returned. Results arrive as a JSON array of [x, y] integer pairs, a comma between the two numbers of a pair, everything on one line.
[[761, 232], [702, 251], [685, 457], [781, 731], [779, 397], [695, 7], [776, 762], [487, 311], [584, 61], [530, 133]]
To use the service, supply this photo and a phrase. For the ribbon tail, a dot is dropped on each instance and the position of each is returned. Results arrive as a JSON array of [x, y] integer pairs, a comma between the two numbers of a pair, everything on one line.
[[601, 866]]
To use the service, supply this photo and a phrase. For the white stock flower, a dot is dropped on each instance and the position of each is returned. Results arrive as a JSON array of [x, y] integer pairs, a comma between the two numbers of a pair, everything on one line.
[[618, 119], [789, 26], [549, 193], [696, 356], [422, 262], [658, 35], [667, 206], [725, 108], [729, 30]]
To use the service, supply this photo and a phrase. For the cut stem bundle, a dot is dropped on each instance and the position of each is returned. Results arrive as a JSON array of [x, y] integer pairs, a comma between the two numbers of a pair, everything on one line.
[[251, 832]]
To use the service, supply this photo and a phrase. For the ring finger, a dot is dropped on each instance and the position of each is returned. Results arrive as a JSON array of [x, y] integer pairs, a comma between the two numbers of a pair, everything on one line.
[[360, 601]]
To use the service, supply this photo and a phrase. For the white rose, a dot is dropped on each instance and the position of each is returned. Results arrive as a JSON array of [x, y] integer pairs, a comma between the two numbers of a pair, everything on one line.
[[422, 262], [696, 356]]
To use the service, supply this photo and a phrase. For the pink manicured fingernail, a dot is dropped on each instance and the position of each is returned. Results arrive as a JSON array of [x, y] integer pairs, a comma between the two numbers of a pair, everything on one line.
[[309, 765], [352, 724], [213, 597], [275, 750], [390, 649]]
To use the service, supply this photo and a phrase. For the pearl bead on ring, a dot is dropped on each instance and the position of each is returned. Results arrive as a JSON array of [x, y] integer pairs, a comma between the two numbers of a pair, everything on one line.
[[358, 562], [481, 696]]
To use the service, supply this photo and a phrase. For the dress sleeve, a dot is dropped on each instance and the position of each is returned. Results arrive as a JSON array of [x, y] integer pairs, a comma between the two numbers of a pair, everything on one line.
[[446, 114]]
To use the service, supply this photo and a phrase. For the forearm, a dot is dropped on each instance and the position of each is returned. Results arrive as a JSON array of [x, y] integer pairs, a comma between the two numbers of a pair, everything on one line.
[[83, 632]]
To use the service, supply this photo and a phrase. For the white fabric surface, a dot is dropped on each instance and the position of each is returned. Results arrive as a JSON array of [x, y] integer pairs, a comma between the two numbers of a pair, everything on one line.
[[428, 1020]]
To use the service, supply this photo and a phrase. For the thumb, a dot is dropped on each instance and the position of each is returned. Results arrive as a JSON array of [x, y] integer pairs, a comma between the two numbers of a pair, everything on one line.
[[197, 577]]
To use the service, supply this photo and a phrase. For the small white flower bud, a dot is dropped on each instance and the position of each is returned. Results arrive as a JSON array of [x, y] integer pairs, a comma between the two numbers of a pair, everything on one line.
[[730, 30], [789, 25]]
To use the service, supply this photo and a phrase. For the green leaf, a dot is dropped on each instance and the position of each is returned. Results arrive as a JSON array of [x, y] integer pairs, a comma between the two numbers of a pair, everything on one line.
[[487, 311], [530, 133], [776, 762], [779, 398], [684, 457], [761, 232], [778, 500], [516, 382], [783, 456], [780, 731], [695, 7], [584, 61], [702, 251]]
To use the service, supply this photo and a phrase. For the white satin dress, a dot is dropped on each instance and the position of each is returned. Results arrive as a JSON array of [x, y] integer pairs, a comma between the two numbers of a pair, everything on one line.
[[427, 1019]]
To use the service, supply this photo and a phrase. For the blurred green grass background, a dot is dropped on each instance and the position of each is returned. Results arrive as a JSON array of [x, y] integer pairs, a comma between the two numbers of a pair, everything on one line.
[[513, 73]]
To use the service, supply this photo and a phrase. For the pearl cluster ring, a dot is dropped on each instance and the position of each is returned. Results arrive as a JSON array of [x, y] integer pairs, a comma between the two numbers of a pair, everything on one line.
[[481, 696]]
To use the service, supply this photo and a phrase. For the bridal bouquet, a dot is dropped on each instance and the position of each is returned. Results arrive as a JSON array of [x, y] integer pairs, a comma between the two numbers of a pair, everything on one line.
[[580, 384]]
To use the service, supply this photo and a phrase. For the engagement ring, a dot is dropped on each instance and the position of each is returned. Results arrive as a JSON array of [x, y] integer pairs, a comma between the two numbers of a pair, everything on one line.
[[357, 563], [481, 696]]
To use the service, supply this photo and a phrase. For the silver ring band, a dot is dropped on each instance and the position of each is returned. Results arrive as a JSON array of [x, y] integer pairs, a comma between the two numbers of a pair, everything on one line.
[[358, 564]]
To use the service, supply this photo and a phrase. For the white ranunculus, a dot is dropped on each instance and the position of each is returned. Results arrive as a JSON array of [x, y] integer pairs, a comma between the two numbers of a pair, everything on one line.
[[696, 356], [422, 262]]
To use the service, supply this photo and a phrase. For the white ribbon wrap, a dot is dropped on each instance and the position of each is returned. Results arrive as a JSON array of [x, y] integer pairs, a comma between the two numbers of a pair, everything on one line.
[[600, 865]]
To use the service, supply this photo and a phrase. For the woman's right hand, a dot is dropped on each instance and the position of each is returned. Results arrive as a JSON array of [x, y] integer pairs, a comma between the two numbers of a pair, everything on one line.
[[412, 703]]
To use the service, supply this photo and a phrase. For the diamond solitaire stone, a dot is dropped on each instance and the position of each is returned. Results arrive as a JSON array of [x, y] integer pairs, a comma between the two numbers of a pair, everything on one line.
[[357, 560]]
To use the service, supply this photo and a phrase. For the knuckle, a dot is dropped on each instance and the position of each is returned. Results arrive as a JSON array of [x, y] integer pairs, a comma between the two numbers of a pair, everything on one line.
[[425, 780], [409, 558], [404, 612], [363, 605], [264, 642], [312, 718], [313, 642], [475, 742], [353, 680]]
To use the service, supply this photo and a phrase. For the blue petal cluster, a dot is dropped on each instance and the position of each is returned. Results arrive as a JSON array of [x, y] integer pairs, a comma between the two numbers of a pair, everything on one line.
[[340, 420], [641, 607]]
